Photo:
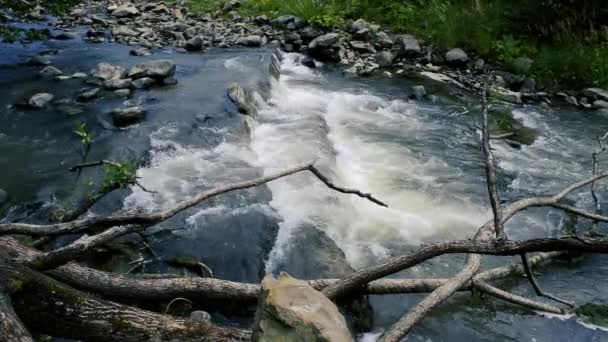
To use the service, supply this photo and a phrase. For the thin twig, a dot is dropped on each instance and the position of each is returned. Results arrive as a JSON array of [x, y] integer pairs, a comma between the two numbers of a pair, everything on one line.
[[539, 291]]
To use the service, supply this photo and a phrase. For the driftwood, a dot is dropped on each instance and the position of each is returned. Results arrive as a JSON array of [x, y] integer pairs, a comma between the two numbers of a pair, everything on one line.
[[50, 292]]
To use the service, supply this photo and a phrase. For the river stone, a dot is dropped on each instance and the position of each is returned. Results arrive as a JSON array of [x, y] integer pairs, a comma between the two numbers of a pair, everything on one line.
[[49, 72], [521, 65], [128, 116], [358, 25], [408, 45], [200, 316], [385, 58], [362, 47], [456, 57], [40, 100], [290, 22], [326, 47], [143, 83], [242, 99], [88, 94], [3, 197], [194, 44], [107, 71], [140, 52], [384, 40], [250, 41], [157, 69], [309, 33], [125, 10], [596, 93], [123, 30], [600, 104], [291, 310], [506, 95], [122, 92], [115, 84]]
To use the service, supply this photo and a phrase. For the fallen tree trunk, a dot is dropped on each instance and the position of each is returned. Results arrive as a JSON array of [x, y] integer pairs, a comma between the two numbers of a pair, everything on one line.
[[11, 327]]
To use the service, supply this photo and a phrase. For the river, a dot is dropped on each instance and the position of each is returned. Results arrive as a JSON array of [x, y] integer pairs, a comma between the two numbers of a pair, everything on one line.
[[420, 157]]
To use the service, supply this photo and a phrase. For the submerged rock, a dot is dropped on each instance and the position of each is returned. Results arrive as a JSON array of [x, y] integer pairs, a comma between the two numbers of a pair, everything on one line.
[[291, 310], [158, 69], [88, 94], [128, 116], [40, 100], [67, 36], [242, 99], [143, 83], [140, 52]]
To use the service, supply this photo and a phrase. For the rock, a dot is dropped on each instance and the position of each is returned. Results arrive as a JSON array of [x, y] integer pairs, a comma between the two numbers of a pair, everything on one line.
[[596, 93], [140, 52], [309, 62], [358, 25], [368, 68], [231, 5], [385, 58], [49, 72], [125, 31], [571, 100], [362, 47], [40, 100], [157, 69], [79, 75], [200, 316], [521, 65], [383, 40], [107, 71], [128, 116], [250, 41], [408, 45], [456, 57], [291, 310], [242, 99], [125, 10], [88, 95], [506, 95], [309, 33], [387, 74], [122, 92], [67, 36], [479, 65], [602, 112], [143, 83], [262, 20], [194, 44], [419, 92], [600, 104], [115, 84], [290, 22], [3, 197], [326, 47], [39, 61]]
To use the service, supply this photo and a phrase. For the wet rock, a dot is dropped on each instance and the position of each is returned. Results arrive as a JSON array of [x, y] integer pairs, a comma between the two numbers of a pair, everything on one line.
[[122, 92], [385, 58], [40, 100], [521, 65], [125, 10], [67, 36], [194, 44], [250, 41], [107, 71], [88, 94], [326, 47], [456, 57], [143, 83], [408, 45], [49, 72], [242, 99], [571, 100], [383, 40], [115, 84], [309, 62], [128, 116], [200, 316], [309, 33], [290, 22], [506, 95], [39, 61], [600, 104], [124, 31], [291, 310], [158, 69], [362, 47], [419, 92], [3, 197], [140, 52], [231, 6], [596, 93]]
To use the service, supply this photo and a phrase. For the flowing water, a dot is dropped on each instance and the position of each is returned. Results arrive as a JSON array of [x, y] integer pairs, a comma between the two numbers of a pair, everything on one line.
[[420, 157]]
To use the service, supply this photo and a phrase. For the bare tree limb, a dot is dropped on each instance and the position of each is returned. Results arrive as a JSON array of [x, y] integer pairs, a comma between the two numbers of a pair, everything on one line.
[[515, 299], [536, 286]]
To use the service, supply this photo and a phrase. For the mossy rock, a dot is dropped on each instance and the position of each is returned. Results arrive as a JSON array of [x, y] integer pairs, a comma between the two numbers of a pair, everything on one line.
[[594, 313]]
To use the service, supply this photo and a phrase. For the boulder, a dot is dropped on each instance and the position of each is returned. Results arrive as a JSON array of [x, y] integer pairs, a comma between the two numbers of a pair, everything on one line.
[[408, 45], [49, 72], [115, 84], [456, 57], [242, 99], [479, 65], [125, 10], [107, 71], [143, 83], [250, 41], [40, 100], [596, 93], [528, 86], [128, 116], [521, 65], [309, 62], [200, 316], [358, 25], [383, 40], [88, 94], [291, 310], [600, 104], [385, 58], [326, 47], [158, 69]]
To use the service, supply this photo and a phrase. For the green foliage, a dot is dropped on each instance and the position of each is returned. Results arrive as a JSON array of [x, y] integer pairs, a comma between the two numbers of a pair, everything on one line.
[[14, 34], [53, 6], [118, 176], [326, 21], [508, 48]]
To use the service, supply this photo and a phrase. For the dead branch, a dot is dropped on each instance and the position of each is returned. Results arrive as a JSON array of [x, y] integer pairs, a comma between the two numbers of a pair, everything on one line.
[[515, 299], [93, 164], [96, 224], [530, 275]]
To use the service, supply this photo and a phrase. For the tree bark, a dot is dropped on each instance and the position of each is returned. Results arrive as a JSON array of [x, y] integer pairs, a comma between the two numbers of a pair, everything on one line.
[[11, 327]]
